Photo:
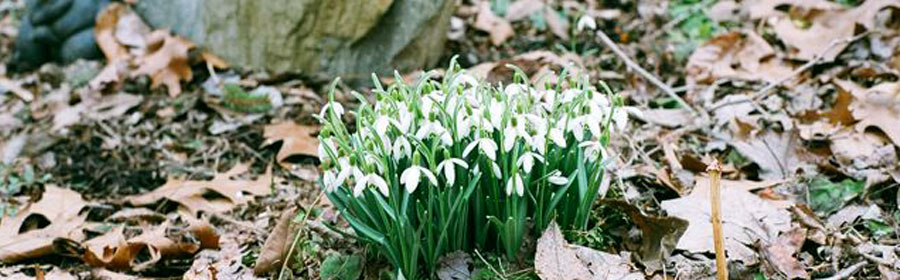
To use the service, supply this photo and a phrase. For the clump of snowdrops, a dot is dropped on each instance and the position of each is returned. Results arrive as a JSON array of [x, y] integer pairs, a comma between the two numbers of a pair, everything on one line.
[[441, 166]]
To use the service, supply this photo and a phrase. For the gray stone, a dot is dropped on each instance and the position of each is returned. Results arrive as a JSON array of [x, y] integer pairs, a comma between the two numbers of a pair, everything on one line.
[[349, 38]]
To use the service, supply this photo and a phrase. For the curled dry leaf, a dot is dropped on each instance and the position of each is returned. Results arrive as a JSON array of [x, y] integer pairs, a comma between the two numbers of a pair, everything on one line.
[[277, 244], [745, 218], [498, 28], [775, 153], [105, 32], [192, 195], [781, 253], [455, 266], [659, 235], [113, 250], [555, 259], [816, 27], [297, 139], [20, 238], [736, 55], [877, 106], [166, 61]]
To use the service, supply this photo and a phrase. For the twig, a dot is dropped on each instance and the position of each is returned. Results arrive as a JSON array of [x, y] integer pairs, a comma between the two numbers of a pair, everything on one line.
[[643, 72], [297, 236], [846, 272], [715, 177], [489, 265], [16, 89], [818, 58]]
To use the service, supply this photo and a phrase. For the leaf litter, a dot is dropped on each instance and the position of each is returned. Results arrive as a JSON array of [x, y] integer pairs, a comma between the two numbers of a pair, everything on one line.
[[824, 132]]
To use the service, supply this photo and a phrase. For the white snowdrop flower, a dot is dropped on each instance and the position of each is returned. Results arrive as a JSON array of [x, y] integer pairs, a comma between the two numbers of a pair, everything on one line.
[[463, 126], [401, 149], [335, 106], [329, 180], [446, 167], [509, 138], [404, 119], [576, 126], [593, 149], [486, 145], [516, 183], [586, 22], [325, 146], [464, 79], [558, 137], [372, 179], [539, 143], [436, 129], [426, 104], [496, 113], [515, 89], [593, 121], [373, 160], [569, 95], [620, 117], [381, 125], [556, 178], [495, 168], [526, 160], [410, 177]]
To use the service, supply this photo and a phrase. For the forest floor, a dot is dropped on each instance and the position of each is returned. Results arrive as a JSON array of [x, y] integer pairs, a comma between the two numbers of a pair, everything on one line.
[[798, 99]]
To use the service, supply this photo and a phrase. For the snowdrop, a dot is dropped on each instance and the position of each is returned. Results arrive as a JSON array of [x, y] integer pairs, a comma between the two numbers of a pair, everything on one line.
[[500, 142], [371, 179], [515, 182], [447, 168], [526, 161], [410, 177], [586, 22]]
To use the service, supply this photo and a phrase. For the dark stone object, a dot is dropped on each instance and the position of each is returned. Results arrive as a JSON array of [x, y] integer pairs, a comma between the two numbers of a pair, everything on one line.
[[56, 31]]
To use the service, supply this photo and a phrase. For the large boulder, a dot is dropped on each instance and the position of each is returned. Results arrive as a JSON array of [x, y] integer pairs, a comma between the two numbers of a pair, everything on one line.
[[349, 38]]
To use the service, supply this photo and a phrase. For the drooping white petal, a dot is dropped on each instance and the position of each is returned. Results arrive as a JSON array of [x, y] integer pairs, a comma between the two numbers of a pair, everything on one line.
[[496, 169], [381, 125], [489, 148], [509, 138], [379, 183], [586, 23], [430, 176], [620, 119], [496, 113], [360, 187], [520, 187], [556, 178], [410, 179], [556, 134], [510, 185], [593, 122], [469, 148]]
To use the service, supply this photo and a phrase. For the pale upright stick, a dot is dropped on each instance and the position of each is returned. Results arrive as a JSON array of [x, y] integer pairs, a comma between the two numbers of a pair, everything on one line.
[[715, 177]]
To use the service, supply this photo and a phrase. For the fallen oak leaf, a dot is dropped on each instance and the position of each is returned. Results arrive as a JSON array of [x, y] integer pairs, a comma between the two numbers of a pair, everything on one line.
[[166, 61], [113, 250], [277, 243], [877, 106], [745, 218], [297, 139], [498, 28], [191, 194], [736, 55], [781, 253], [555, 259], [105, 29], [60, 207]]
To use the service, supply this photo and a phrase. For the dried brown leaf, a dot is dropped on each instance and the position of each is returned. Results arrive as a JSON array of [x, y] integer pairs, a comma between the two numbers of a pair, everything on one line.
[[297, 139], [192, 194], [745, 218], [105, 29], [877, 106], [277, 244], [498, 28], [775, 153], [166, 61], [555, 259], [736, 55], [19, 239], [781, 253]]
